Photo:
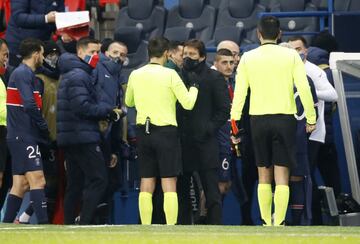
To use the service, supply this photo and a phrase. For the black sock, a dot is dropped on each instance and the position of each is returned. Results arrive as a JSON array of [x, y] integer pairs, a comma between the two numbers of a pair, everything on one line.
[[37, 197], [29, 210], [297, 201], [12, 208]]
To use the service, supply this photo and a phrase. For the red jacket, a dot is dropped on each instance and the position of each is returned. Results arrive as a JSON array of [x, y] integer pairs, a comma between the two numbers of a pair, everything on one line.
[[4, 15]]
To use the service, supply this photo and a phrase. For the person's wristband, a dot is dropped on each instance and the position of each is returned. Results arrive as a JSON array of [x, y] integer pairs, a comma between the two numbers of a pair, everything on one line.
[[46, 19]]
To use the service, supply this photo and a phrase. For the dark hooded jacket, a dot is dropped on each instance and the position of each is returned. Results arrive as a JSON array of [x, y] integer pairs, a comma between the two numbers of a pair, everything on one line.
[[78, 111], [320, 57], [107, 81]]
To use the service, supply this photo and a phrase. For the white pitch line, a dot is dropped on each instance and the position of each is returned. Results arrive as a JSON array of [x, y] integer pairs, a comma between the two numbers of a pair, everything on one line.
[[268, 234], [22, 228], [91, 226]]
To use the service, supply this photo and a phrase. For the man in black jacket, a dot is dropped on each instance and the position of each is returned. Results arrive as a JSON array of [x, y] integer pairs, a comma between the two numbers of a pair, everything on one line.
[[78, 113], [198, 130]]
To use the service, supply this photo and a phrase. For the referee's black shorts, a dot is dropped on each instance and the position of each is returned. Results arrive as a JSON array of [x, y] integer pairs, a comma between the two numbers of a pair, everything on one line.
[[274, 139], [159, 154]]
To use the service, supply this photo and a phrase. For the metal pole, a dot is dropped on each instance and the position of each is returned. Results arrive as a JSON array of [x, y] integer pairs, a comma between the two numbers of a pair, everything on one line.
[[331, 16], [347, 136]]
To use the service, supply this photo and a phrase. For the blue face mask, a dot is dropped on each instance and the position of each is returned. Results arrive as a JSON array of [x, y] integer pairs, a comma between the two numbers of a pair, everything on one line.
[[302, 56]]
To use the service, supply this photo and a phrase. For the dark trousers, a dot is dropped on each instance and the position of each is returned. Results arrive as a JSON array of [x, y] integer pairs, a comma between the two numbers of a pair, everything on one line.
[[249, 177], [51, 172], [183, 190], [5, 166], [7, 182], [313, 151], [328, 166], [209, 180], [87, 177], [323, 157]]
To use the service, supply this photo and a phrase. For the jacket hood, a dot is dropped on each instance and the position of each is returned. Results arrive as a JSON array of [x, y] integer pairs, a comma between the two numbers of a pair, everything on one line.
[[68, 62], [317, 56], [113, 68]]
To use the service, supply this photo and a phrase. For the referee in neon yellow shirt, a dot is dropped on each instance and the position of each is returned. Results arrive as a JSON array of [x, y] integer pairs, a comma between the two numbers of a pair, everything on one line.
[[271, 72], [154, 89]]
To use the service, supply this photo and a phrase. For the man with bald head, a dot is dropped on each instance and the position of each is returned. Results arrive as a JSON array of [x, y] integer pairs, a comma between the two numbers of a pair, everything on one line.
[[233, 47]]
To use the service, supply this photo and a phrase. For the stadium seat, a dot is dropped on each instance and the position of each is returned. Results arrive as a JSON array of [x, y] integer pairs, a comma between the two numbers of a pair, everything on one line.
[[296, 24], [339, 5], [195, 15], [168, 4], [268, 3], [144, 15], [347, 5], [179, 34], [231, 33], [321, 4], [137, 48], [242, 14], [215, 3]]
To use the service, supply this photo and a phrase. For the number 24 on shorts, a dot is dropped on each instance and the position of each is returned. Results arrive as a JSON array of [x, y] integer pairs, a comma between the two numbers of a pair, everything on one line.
[[33, 153]]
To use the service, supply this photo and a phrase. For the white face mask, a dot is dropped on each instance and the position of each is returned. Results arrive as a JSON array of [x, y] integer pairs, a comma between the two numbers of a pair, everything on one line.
[[52, 60], [126, 61]]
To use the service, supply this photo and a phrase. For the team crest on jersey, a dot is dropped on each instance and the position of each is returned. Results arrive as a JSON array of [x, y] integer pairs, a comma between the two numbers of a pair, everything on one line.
[[37, 161]]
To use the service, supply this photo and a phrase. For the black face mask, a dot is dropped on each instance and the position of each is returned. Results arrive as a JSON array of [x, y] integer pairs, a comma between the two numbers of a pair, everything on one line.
[[70, 47], [116, 60], [190, 64]]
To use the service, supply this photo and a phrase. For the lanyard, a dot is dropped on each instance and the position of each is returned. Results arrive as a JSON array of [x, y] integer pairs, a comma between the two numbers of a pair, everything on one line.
[[231, 91]]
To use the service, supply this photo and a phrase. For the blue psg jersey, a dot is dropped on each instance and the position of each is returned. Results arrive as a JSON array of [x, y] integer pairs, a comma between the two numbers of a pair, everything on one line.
[[301, 137]]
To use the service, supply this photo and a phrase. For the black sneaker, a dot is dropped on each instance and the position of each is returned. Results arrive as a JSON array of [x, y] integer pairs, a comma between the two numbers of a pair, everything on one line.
[[264, 223]]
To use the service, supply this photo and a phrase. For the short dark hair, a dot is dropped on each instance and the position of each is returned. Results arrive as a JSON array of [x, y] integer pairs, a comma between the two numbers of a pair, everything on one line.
[[3, 41], [85, 41], [326, 41], [223, 52], [173, 45], [105, 43], [51, 47], [157, 46], [298, 38], [29, 46], [269, 27], [197, 44]]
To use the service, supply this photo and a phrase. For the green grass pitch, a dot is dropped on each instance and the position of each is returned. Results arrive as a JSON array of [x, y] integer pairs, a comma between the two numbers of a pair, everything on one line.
[[176, 234]]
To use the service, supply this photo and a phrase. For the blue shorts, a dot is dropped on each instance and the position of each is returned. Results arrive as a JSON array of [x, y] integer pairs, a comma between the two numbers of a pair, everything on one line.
[[225, 167], [25, 156]]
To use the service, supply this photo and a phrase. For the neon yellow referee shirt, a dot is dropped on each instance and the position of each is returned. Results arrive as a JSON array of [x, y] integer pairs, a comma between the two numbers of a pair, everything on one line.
[[271, 72], [154, 89]]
